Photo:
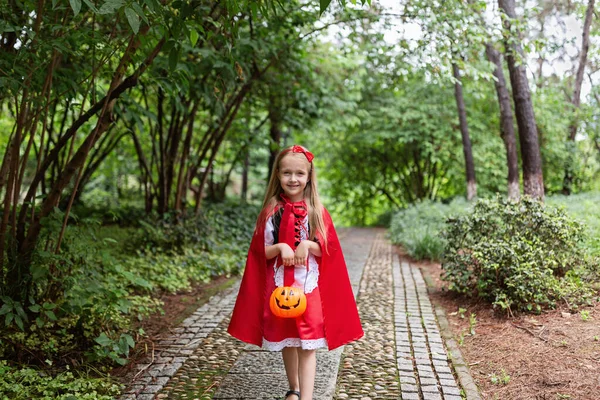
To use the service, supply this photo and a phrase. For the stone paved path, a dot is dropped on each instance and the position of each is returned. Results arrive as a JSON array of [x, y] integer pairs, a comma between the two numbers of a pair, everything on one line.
[[402, 355]]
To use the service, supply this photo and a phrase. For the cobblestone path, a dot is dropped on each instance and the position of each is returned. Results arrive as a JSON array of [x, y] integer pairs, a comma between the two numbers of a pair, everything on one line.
[[402, 355], [369, 365]]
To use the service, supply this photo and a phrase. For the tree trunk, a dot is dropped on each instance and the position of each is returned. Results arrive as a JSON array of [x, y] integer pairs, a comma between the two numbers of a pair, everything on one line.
[[275, 136], [180, 196], [27, 240], [464, 131], [533, 179], [225, 125], [173, 140], [162, 181], [245, 175], [506, 123], [576, 99], [106, 146]]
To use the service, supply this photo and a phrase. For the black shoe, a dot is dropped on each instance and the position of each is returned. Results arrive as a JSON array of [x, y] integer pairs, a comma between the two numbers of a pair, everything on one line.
[[292, 392]]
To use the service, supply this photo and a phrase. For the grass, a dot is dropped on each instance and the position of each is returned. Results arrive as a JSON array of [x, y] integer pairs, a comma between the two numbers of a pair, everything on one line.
[[418, 228], [586, 208]]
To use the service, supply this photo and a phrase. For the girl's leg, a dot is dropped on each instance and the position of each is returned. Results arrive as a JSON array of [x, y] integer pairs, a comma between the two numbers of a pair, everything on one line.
[[307, 369], [290, 361]]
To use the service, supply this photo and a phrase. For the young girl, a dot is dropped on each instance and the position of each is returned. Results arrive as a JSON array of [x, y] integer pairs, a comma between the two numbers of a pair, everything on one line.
[[295, 244]]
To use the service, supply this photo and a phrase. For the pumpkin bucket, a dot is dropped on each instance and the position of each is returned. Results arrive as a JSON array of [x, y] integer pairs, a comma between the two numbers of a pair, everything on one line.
[[287, 302]]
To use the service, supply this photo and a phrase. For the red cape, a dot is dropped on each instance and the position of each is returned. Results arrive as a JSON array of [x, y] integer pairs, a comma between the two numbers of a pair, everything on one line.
[[342, 324]]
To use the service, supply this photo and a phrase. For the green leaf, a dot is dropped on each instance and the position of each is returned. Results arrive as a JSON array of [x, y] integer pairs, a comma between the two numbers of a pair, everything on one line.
[[193, 37], [323, 4], [9, 318], [19, 322], [123, 346], [35, 308], [20, 311], [91, 6], [111, 6], [121, 360], [76, 6], [139, 11], [51, 316], [166, 48], [173, 58], [151, 5], [133, 19], [103, 340], [130, 340], [5, 309]]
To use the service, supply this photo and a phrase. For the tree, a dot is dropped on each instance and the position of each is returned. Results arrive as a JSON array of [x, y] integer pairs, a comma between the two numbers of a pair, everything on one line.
[[533, 180], [464, 130], [506, 123], [576, 97]]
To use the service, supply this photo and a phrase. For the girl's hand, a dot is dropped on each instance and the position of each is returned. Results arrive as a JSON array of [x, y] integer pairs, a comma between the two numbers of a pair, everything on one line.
[[302, 252], [287, 254]]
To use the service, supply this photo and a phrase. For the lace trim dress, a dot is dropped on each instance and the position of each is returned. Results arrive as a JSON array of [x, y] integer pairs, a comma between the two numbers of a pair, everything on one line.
[[308, 330]]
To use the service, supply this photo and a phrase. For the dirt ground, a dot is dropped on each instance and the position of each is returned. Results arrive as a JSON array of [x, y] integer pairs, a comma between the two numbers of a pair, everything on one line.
[[554, 355]]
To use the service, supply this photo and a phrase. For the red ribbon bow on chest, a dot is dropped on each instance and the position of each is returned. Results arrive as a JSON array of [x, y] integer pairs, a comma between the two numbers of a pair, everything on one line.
[[292, 221]]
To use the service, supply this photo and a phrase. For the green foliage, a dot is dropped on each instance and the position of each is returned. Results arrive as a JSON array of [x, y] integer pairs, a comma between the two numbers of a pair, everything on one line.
[[502, 379], [28, 383], [105, 287], [124, 214], [219, 223], [518, 255], [174, 255], [418, 228], [586, 208]]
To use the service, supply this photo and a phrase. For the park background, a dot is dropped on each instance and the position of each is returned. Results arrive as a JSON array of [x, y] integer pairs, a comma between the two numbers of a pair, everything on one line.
[[137, 138]]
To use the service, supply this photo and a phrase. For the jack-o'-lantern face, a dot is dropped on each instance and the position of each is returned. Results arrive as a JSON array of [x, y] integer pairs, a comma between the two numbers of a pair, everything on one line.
[[287, 302]]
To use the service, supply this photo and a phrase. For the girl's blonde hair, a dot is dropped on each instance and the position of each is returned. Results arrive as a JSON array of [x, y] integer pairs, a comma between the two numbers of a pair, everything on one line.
[[311, 196]]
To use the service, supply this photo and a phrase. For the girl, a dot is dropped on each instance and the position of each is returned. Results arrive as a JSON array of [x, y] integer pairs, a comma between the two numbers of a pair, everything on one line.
[[295, 244]]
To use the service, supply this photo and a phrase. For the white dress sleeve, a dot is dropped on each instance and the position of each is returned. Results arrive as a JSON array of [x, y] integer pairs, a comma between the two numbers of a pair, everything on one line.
[[269, 238]]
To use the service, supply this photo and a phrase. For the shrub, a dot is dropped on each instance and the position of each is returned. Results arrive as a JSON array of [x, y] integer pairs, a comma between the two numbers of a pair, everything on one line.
[[515, 254], [229, 224], [27, 383], [88, 297], [418, 227]]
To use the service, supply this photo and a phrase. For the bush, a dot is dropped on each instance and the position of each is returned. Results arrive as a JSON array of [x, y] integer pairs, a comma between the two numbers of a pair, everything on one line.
[[125, 215], [88, 297], [519, 255], [221, 224], [27, 383], [418, 228]]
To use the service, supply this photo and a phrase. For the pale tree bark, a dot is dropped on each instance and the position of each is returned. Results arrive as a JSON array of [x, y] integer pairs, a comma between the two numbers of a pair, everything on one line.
[[533, 179], [506, 123], [576, 99], [464, 131]]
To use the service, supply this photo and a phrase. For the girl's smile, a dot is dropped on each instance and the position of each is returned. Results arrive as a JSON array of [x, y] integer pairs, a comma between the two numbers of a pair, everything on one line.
[[293, 175]]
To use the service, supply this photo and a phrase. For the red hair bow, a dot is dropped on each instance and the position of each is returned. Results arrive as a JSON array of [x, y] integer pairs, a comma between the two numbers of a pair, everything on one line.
[[300, 149]]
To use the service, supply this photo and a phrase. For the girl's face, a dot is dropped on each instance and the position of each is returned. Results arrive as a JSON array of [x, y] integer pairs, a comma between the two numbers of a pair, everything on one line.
[[293, 175]]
